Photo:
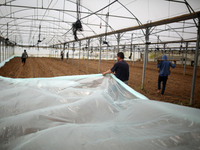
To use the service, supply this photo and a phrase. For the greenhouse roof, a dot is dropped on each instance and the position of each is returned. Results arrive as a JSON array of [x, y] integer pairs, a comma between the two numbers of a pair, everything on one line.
[[49, 22]]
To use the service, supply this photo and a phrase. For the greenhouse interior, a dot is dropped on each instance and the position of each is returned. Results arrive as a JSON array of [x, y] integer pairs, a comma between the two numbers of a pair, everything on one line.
[[61, 96]]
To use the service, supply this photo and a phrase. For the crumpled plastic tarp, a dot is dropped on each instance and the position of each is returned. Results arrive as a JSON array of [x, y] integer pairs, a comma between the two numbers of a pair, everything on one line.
[[90, 112]]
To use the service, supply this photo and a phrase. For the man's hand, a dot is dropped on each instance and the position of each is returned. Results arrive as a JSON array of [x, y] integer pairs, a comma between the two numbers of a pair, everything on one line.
[[158, 61], [107, 72], [104, 73]]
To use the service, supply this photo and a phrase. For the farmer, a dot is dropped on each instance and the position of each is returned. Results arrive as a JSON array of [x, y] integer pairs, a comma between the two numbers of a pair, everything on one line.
[[62, 55], [24, 56], [120, 68], [67, 55], [164, 70]]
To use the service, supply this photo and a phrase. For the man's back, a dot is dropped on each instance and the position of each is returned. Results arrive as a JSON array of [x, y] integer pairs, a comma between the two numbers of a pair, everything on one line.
[[24, 55], [164, 66], [121, 69]]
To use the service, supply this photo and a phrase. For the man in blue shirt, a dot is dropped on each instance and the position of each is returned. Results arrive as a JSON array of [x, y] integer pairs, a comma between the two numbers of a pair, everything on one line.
[[120, 68], [164, 70]]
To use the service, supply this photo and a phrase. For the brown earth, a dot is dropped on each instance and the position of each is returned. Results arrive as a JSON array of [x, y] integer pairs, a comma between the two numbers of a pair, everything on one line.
[[178, 85]]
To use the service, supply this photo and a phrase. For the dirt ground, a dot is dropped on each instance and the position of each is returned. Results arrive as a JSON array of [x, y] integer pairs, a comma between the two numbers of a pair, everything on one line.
[[178, 85]]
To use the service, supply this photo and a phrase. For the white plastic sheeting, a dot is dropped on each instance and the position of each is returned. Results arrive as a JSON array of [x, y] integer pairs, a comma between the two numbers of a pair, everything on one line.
[[92, 113]]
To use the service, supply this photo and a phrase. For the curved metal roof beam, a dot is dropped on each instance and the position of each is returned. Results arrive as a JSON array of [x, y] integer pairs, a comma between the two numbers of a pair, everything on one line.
[[138, 21], [48, 22], [108, 23], [63, 38], [175, 31], [48, 16], [99, 16], [30, 21], [96, 15], [170, 28]]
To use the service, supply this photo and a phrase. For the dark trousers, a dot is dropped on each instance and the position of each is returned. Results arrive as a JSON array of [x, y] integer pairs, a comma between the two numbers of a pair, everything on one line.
[[162, 79], [24, 60]]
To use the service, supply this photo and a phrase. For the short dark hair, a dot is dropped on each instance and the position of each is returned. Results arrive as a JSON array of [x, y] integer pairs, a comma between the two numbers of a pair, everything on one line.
[[120, 55]]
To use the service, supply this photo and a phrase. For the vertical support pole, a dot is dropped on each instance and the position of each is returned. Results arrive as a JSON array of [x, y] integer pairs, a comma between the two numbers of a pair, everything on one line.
[[52, 52], [145, 55], [9, 48], [157, 48], [0, 50], [68, 51], [107, 53], [3, 50], [73, 53], [79, 55], [186, 50], [12, 50], [118, 41], [8, 51], [132, 47], [88, 53], [181, 50], [64, 47], [133, 54], [164, 46], [195, 64], [114, 54], [7, 44], [100, 41]]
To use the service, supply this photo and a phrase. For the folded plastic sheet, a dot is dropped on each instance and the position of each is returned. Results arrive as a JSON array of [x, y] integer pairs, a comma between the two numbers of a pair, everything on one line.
[[92, 113]]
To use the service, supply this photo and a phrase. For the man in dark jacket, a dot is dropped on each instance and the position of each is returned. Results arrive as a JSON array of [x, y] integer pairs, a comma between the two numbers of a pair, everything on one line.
[[120, 68], [24, 56], [164, 70]]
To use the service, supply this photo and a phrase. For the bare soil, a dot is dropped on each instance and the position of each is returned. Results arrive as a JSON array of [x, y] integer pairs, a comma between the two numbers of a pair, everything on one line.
[[177, 91]]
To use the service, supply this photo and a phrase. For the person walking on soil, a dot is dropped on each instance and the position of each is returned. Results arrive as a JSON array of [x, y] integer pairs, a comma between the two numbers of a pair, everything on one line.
[[67, 55], [164, 71], [62, 55], [120, 68], [24, 56]]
